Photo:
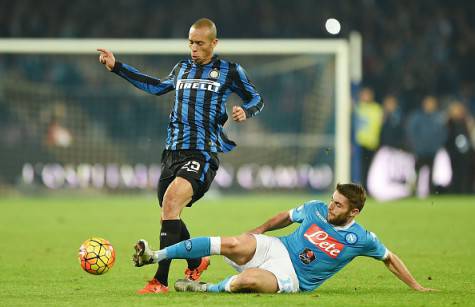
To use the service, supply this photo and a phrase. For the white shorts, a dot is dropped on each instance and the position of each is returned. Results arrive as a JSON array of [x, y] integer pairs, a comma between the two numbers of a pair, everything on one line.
[[271, 255]]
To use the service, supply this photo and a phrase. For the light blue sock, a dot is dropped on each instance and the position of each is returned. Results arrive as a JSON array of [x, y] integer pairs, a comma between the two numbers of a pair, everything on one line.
[[189, 249], [221, 286]]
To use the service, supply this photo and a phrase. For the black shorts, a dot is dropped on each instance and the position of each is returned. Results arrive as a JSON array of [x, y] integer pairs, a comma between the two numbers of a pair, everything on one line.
[[198, 167]]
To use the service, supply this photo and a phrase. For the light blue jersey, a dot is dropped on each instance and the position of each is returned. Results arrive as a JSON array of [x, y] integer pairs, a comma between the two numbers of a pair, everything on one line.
[[318, 249]]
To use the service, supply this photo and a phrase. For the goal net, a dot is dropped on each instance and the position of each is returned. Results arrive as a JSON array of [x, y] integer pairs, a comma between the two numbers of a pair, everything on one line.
[[67, 123]]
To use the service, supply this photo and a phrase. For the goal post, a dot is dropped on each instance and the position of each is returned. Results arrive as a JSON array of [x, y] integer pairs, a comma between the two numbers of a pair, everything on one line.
[[339, 90]]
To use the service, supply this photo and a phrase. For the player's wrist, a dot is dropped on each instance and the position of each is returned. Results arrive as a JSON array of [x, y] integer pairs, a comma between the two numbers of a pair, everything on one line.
[[247, 113], [419, 288], [116, 66], [258, 230]]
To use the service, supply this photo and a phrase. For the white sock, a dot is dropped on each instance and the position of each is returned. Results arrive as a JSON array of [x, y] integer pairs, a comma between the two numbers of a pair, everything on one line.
[[227, 286], [159, 255], [215, 245]]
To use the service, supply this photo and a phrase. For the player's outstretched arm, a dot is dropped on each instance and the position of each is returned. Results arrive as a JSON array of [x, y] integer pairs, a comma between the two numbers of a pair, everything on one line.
[[281, 220], [397, 267], [141, 81], [107, 58]]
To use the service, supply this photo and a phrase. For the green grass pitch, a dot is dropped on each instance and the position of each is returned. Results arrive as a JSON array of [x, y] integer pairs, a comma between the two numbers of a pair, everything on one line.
[[40, 237]]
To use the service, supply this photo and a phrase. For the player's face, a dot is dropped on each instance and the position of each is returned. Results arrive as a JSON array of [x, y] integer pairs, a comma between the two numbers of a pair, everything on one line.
[[201, 45], [340, 212]]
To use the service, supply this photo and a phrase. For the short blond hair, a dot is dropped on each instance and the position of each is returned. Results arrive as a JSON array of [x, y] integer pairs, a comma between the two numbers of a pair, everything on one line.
[[206, 23]]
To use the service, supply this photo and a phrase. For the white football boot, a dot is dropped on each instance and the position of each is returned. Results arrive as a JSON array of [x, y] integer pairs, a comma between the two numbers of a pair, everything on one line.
[[143, 254], [186, 285]]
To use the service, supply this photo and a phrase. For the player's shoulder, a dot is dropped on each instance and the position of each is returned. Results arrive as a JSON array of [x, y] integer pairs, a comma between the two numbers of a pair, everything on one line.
[[226, 61], [183, 61], [180, 64], [366, 235], [311, 208], [233, 66], [314, 204], [310, 205]]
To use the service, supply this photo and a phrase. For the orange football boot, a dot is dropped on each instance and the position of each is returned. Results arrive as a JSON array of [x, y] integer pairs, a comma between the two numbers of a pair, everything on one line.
[[195, 274], [153, 286]]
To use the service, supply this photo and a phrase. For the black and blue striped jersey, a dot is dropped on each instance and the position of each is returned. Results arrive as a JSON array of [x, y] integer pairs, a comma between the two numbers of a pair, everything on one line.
[[201, 92]]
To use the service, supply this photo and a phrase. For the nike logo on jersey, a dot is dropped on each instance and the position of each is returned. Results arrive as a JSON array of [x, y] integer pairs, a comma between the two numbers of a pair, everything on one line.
[[323, 241], [201, 84]]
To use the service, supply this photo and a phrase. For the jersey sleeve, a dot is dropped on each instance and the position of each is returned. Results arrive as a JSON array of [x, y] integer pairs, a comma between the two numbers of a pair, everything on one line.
[[297, 215], [375, 248], [241, 85], [144, 82]]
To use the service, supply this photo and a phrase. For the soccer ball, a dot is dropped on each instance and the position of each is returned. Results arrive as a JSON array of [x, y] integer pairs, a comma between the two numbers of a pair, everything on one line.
[[96, 256]]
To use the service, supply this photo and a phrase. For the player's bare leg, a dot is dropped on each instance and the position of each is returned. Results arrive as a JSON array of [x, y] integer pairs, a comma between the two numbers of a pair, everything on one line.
[[250, 280], [240, 249], [254, 280], [177, 196]]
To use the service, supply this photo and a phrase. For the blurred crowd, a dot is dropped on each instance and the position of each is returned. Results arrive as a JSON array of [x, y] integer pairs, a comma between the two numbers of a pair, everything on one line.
[[410, 47], [434, 126], [417, 55]]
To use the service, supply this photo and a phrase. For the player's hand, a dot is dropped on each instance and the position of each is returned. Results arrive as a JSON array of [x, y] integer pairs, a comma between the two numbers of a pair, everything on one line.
[[107, 58], [238, 114], [424, 289]]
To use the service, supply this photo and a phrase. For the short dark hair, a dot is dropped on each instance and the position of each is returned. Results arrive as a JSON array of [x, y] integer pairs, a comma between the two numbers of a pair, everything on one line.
[[355, 193]]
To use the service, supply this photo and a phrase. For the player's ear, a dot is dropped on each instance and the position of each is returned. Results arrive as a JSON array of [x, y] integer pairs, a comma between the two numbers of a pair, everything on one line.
[[214, 42], [354, 212]]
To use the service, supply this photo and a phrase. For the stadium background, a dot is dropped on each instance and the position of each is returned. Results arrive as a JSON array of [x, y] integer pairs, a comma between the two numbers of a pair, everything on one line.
[[66, 110]]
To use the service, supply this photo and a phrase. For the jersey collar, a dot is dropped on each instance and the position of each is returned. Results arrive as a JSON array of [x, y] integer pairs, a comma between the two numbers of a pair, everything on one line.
[[213, 59], [344, 227]]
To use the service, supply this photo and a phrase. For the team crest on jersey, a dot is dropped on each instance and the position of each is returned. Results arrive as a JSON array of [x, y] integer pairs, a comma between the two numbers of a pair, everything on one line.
[[351, 238], [188, 245], [214, 74], [307, 256]]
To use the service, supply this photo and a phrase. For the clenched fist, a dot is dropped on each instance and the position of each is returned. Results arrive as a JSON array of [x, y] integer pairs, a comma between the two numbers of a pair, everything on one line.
[[238, 114]]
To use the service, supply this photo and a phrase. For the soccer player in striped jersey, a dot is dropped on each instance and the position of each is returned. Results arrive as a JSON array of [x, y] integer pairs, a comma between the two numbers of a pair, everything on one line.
[[202, 85]]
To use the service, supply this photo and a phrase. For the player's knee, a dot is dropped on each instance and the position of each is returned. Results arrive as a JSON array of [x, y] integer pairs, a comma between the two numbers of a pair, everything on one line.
[[235, 248], [170, 212], [229, 245], [171, 206], [246, 282], [178, 195]]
